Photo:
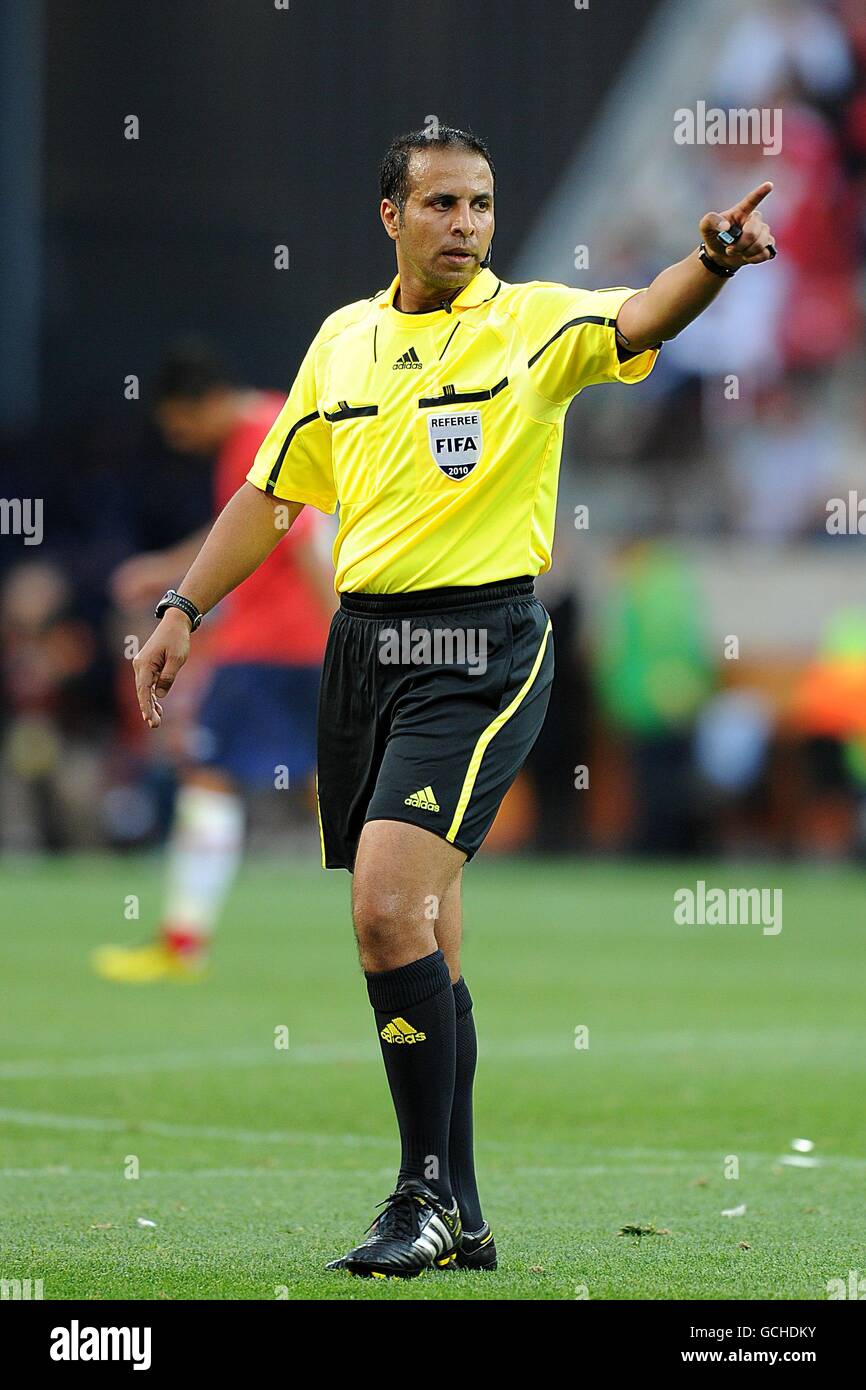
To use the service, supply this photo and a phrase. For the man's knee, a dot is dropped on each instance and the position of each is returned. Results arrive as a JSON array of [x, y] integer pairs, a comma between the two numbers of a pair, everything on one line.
[[401, 876], [390, 931], [374, 913]]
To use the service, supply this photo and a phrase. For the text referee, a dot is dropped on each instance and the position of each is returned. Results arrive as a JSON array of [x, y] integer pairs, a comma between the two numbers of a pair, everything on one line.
[[432, 414]]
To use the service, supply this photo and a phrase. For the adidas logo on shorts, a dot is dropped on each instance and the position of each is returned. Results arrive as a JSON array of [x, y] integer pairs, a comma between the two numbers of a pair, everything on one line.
[[425, 799], [410, 361], [399, 1031]]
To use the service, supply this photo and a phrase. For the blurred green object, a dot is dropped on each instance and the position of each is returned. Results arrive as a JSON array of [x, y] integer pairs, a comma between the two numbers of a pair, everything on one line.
[[855, 759], [845, 634], [652, 668], [845, 638]]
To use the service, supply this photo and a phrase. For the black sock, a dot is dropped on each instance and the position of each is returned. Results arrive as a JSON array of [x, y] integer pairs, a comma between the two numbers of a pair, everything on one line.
[[461, 1156], [415, 1020]]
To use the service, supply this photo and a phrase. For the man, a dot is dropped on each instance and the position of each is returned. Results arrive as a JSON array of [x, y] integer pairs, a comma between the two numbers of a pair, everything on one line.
[[432, 413], [273, 667]]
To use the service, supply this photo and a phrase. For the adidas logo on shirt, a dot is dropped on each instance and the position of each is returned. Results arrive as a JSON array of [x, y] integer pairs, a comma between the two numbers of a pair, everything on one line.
[[425, 799], [399, 1031], [410, 361]]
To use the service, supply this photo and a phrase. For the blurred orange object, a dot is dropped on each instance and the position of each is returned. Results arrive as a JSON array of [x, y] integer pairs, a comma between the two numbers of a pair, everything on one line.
[[514, 825], [831, 698]]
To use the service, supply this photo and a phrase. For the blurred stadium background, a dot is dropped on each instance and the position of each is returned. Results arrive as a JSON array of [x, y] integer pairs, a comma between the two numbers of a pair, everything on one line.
[[710, 631], [706, 501]]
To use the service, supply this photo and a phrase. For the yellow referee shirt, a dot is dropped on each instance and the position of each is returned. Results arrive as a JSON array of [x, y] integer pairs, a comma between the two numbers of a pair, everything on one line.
[[440, 434]]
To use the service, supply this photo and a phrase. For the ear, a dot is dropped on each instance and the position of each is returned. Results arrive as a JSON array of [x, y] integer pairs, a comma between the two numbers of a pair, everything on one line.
[[390, 215]]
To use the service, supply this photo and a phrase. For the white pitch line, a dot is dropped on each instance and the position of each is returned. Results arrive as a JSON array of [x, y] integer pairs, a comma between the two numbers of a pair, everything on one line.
[[177, 1174], [46, 1069], [304, 1054], [106, 1125], [315, 1054], [556, 1171], [160, 1129]]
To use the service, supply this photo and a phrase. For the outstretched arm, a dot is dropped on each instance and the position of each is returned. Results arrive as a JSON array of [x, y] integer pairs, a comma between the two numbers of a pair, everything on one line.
[[684, 290], [243, 535]]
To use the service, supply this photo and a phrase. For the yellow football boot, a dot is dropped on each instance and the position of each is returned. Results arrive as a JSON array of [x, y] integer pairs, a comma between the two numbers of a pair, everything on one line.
[[146, 965]]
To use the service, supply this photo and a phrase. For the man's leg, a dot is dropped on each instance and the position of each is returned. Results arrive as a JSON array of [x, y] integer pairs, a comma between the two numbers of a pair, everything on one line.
[[402, 875], [204, 851], [448, 926], [434, 751], [461, 1157]]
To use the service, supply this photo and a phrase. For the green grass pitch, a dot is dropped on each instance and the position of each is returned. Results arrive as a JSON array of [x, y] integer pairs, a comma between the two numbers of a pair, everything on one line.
[[257, 1164]]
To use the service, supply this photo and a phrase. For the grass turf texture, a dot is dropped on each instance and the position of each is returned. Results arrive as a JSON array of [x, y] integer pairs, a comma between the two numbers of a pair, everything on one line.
[[258, 1164]]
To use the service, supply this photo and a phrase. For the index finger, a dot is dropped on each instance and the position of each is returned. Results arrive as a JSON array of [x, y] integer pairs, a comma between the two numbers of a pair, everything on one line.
[[145, 681], [748, 204]]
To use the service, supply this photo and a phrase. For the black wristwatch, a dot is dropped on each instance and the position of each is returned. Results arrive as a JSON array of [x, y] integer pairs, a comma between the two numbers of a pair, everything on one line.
[[722, 270], [172, 599]]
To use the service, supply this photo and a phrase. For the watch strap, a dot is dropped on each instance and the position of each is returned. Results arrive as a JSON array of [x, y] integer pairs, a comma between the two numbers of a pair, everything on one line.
[[724, 272], [172, 599]]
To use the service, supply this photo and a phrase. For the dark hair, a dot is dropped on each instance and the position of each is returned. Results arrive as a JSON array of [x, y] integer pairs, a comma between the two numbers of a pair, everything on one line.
[[191, 369], [394, 172]]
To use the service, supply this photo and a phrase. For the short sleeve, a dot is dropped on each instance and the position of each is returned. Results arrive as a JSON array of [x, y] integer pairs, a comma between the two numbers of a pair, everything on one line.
[[294, 459], [573, 341]]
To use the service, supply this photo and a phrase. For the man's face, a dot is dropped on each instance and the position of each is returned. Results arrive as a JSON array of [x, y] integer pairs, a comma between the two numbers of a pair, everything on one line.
[[447, 223], [194, 426]]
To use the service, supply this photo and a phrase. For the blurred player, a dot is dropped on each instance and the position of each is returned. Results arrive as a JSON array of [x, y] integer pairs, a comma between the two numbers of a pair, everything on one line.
[[432, 414], [267, 651]]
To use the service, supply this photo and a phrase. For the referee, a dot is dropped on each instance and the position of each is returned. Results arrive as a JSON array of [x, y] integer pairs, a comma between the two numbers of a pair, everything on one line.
[[432, 414]]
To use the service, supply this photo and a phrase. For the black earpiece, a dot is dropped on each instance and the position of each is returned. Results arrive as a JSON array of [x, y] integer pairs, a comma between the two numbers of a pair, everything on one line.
[[485, 263]]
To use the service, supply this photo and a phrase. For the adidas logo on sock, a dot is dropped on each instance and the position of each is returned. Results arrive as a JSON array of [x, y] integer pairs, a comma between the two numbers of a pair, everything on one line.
[[399, 1031], [425, 799], [409, 361]]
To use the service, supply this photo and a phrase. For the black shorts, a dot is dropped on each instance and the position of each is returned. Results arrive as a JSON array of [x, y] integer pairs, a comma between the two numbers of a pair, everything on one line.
[[429, 703]]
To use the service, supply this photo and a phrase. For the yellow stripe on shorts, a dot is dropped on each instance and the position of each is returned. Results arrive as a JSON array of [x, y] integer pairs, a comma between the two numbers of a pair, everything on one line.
[[492, 729], [319, 819]]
